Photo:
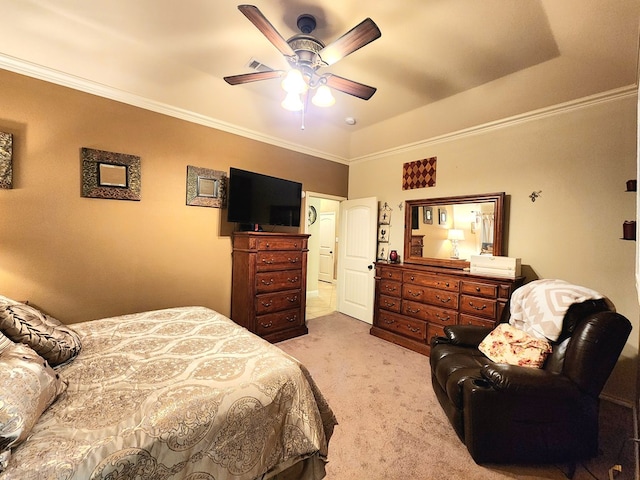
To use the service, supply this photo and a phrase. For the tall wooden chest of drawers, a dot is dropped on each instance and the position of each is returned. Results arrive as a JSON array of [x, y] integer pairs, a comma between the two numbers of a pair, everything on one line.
[[413, 303], [269, 284]]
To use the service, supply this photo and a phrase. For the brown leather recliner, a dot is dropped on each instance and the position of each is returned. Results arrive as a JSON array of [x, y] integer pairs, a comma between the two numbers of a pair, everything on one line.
[[511, 414]]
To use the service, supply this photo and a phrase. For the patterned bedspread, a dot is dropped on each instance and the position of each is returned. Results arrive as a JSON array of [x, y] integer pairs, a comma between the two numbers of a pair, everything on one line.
[[181, 393]]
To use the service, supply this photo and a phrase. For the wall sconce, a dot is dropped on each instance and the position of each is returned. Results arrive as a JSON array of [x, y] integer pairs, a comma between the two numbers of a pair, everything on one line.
[[455, 236]]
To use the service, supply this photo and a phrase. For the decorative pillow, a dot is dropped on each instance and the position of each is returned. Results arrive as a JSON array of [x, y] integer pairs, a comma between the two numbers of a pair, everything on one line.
[[4, 343], [28, 385], [507, 344], [55, 342], [7, 301]]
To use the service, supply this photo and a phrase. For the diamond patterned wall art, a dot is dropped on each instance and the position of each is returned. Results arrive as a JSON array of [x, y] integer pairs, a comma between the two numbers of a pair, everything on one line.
[[419, 174]]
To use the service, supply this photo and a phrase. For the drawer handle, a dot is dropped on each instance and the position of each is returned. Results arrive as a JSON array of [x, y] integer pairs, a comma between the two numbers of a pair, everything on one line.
[[415, 294], [443, 300], [389, 322], [411, 329], [295, 245], [410, 310], [266, 304], [412, 278], [446, 284], [292, 280], [292, 299], [444, 319], [390, 289], [267, 325], [293, 260], [268, 245], [477, 308], [389, 304], [477, 289], [390, 274], [267, 261], [292, 319], [267, 282]]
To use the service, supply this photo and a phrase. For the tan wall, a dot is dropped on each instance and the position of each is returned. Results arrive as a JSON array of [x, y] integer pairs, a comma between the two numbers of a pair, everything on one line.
[[82, 258], [580, 161]]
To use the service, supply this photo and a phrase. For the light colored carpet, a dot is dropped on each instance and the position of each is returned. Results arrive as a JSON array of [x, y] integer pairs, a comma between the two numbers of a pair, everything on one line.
[[391, 426]]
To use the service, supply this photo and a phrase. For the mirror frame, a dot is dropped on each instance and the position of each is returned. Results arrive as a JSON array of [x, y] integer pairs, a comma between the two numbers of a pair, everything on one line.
[[496, 198]]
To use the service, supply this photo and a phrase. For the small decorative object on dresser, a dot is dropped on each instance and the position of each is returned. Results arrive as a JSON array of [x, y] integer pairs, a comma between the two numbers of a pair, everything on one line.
[[413, 303], [269, 285]]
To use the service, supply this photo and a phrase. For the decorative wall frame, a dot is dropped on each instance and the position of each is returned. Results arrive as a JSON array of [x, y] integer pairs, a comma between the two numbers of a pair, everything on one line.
[[427, 215], [384, 214], [206, 187], [419, 174], [383, 233], [6, 160], [110, 175], [442, 216]]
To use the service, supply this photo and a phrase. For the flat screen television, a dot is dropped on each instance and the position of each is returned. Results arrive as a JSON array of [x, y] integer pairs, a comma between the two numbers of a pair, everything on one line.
[[254, 200]]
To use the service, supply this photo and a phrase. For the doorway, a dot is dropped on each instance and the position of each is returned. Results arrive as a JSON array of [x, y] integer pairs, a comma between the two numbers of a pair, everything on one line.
[[322, 217]]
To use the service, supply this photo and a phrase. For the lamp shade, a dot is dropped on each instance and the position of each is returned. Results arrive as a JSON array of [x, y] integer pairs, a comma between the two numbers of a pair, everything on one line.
[[292, 102], [455, 234], [323, 97], [294, 82]]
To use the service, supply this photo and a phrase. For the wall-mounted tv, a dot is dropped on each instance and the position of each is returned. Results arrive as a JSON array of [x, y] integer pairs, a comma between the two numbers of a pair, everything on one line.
[[254, 200]]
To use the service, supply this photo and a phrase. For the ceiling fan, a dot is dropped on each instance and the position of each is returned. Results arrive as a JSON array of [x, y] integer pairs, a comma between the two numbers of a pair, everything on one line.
[[306, 55]]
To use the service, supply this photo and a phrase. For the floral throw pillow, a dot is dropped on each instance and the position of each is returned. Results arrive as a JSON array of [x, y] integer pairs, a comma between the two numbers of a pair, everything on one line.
[[507, 344]]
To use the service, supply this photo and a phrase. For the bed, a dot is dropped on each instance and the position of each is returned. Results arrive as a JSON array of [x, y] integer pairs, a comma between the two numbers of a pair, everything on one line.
[[180, 393]]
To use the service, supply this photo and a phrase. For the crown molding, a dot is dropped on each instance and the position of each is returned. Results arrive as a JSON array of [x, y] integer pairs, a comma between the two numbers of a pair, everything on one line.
[[630, 91], [77, 83]]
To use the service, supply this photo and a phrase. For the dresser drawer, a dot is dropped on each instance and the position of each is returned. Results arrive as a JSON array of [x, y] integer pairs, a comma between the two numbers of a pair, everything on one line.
[[386, 273], [388, 287], [278, 260], [281, 243], [435, 330], [440, 298], [482, 307], [275, 302], [389, 303], [433, 281], [408, 327], [479, 289], [482, 322], [272, 322], [280, 280], [429, 313]]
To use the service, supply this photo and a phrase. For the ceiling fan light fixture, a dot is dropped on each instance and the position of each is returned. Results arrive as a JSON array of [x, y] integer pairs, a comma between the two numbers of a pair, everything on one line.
[[294, 82], [323, 97], [292, 102]]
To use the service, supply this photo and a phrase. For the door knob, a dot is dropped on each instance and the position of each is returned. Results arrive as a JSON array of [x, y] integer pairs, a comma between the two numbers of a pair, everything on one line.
[[370, 267]]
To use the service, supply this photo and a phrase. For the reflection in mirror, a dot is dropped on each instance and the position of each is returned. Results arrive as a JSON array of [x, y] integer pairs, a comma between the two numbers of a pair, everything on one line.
[[448, 231]]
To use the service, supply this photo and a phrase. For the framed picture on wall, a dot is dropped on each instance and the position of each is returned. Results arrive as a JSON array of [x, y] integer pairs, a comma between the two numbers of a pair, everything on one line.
[[442, 216], [427, 215], [383, 233]]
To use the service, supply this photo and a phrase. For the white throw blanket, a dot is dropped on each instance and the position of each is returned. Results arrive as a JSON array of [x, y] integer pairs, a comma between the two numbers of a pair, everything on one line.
[[539, 307]]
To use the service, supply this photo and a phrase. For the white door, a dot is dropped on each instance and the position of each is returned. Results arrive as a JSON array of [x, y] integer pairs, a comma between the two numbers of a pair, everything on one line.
[[356, 253], [327, 246]]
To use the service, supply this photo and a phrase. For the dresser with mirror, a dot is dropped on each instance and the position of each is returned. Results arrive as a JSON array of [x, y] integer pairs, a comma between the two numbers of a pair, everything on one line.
[[433, 287]]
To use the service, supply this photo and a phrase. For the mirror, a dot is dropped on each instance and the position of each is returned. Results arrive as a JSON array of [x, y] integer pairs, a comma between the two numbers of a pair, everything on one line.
[[445, 232]]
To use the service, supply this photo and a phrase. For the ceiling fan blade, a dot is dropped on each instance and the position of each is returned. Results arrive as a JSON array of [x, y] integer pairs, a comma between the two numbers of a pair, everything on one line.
[[256, 17], [350, 87], [252, 77], [359, 36]]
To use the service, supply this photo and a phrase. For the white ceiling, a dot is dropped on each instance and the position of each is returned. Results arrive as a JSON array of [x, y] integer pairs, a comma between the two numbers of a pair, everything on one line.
[[440, 65]]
